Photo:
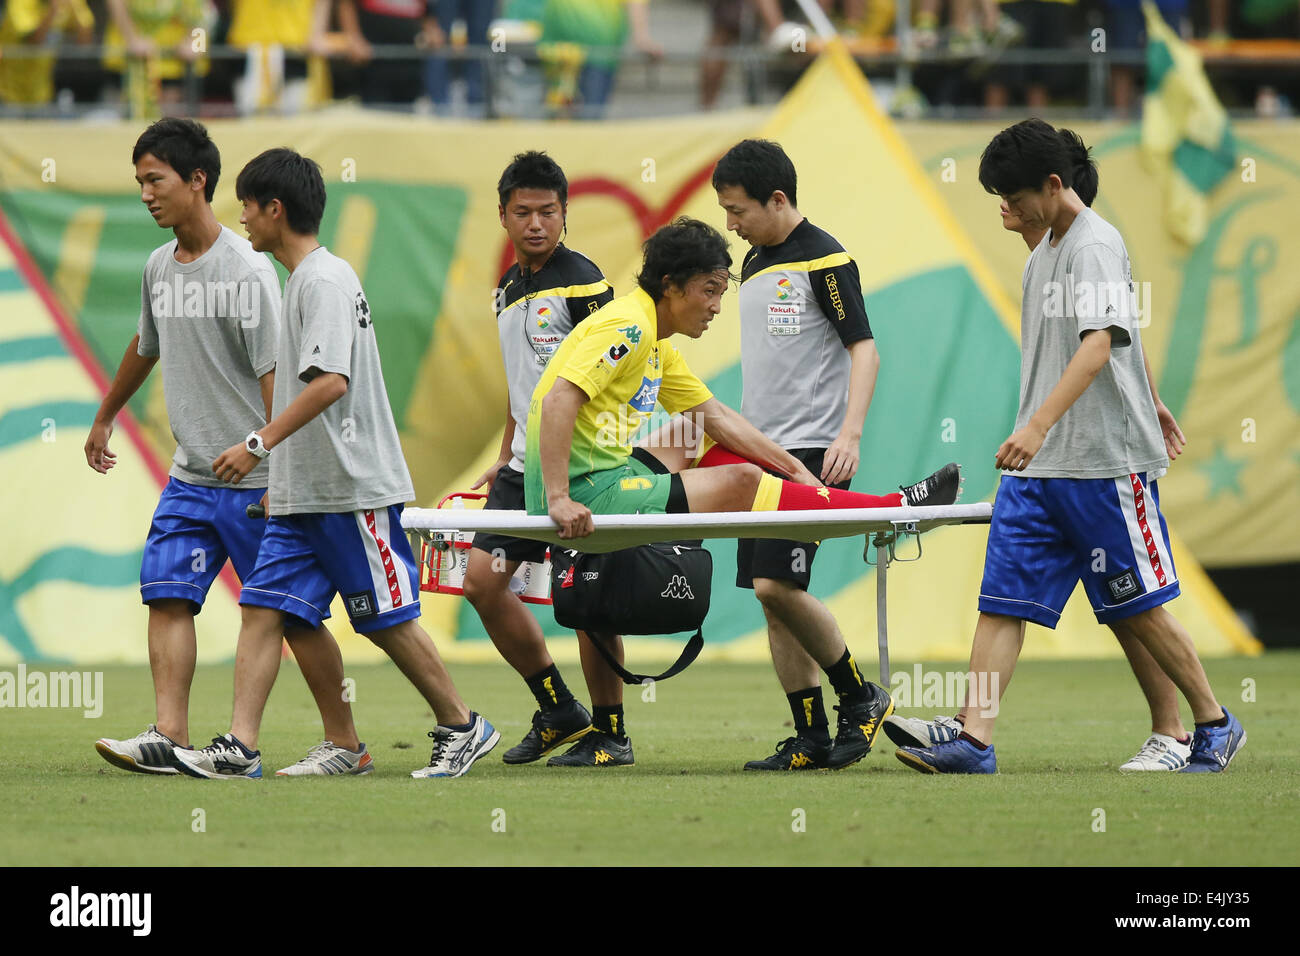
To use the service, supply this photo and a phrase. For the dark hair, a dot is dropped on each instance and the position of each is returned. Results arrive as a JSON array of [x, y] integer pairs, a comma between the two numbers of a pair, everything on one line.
[[1085, 169], [184, 145], [760, 167], [291, 178], [681, 250], [1023, 156], [533, 170]]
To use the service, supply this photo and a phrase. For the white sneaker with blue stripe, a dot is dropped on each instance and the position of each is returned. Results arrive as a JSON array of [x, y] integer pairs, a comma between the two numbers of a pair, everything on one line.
[[327, 759], [223, 759], [914, 732], [1160, 752], [454, 752]]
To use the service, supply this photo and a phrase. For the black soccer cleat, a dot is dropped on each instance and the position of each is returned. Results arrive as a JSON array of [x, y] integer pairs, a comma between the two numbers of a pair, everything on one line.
[[858, 726], [794, 753], [941, 488], [596, 749], [551, 729]]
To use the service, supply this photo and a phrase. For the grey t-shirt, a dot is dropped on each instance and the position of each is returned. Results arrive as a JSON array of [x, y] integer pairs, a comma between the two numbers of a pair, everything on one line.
[[214, 323], [1081, 285], [535, 311], [800, 309], [348, 458]]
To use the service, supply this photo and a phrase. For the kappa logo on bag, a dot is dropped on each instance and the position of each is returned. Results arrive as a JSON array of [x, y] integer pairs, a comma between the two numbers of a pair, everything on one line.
[[678, 588]]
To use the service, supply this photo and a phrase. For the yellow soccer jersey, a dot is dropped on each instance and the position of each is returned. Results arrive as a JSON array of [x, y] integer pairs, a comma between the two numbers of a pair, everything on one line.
[[615, 358]]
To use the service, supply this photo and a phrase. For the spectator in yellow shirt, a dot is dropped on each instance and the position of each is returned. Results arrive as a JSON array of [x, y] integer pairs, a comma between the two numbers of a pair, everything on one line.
[[151, 42], [29, 80], [283, 40]]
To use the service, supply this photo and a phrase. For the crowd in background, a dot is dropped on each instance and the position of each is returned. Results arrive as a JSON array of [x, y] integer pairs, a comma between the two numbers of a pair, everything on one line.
[[561, 58]]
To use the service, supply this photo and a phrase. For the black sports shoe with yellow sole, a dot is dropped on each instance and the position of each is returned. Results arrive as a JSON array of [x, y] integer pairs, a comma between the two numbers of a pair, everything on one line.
[[941, 488], [858, 725], [596, 749], [551, 730], [794, 753]]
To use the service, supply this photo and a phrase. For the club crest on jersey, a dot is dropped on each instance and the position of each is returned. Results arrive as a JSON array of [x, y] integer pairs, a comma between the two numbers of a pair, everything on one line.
[[360, 605], [362, 308], [543, 317], [784, 289], [646, 396], [1123, 585]]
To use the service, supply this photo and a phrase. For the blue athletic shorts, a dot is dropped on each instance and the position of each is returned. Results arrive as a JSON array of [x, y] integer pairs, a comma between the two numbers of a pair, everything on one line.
[[363, 555], [194, 530], [1049, 533]]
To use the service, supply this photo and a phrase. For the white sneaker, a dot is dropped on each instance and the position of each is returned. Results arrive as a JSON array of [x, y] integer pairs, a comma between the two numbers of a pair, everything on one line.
[[149, 752], [914, 732], [224, 759], [1160, 752], [326, 759], [454, 753]]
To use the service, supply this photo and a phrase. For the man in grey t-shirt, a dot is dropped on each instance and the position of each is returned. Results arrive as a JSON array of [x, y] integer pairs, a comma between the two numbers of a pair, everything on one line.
[[1082, 502], [337, 485], [210, 314]]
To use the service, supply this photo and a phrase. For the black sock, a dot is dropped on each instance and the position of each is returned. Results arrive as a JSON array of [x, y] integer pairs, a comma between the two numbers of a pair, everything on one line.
[[548, 687], [609, 720], [972, 741], [1221, 722], [809, 714], [845, 677]]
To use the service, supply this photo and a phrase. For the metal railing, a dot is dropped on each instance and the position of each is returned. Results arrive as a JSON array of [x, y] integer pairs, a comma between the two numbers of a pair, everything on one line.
[[515, 81]]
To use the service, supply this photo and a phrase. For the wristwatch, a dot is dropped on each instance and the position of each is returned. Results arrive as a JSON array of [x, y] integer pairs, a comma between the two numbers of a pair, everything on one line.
[[254, 444]]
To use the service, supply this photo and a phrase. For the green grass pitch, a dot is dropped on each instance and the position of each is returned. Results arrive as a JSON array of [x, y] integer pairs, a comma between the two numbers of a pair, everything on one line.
[[1064, 728]]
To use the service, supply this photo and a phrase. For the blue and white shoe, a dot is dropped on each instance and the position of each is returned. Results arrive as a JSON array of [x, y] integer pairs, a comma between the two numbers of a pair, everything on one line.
[[952, 756], [915, 732], [1214, 747], [224, 759], [455, 752], [1160, 752]]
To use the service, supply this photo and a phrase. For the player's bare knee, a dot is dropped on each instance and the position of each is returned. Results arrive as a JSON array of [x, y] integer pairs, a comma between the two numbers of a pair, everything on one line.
[[773, 594], [745, 479]]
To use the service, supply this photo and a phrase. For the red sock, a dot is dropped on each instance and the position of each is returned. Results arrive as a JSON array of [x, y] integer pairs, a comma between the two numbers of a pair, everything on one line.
[[717, 455], [797, 497]]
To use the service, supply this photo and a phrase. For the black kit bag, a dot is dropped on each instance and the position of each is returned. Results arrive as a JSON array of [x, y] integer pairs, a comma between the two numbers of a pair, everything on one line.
[[660, 588]]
